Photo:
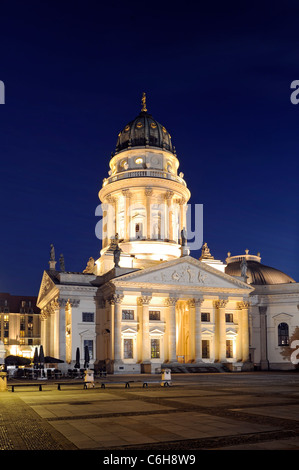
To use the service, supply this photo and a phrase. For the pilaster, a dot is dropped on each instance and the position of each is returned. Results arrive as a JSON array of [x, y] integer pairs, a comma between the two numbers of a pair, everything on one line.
[[220, 306], [244, 306], [144, 301], [170, 302]]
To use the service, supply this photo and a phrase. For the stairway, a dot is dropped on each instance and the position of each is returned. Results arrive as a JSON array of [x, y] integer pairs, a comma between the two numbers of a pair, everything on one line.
[[177, 368]]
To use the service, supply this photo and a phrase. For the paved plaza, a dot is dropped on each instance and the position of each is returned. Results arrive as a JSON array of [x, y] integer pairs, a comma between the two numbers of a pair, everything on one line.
[[216, 411]]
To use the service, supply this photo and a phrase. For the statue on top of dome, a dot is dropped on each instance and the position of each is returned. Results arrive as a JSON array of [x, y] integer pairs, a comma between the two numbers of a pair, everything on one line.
[[143, 101], [244, 268]]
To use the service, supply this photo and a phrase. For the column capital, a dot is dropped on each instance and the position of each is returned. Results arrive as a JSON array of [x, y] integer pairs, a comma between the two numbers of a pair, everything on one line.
[[171, 301], [263, 309], [195, 302], [245, 304], [116, 299], [169, 195], [148, 191], [144, 299], [126, 193], [74, 303], [220, 303], [110, 199]]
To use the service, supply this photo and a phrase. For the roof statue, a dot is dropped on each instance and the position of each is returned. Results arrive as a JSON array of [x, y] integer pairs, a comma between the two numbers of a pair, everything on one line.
[[143, 101], [183, 237], [244, 267], [61, 263], [90, 266], [205, 252], [52, 261], [116, 256], [52, 253]]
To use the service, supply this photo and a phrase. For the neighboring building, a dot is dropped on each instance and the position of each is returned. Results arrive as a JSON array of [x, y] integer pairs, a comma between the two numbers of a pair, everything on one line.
[[146, 302], [19, 324], [274, 312]]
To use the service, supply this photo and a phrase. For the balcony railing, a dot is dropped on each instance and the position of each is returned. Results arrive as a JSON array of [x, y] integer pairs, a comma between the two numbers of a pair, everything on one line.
[[144, 173]]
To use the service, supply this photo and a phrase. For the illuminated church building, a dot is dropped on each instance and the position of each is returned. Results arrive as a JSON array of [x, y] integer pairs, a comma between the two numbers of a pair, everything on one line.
[[145, 303]]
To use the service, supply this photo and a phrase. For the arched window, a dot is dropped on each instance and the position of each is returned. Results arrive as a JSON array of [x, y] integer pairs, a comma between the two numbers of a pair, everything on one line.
[[283, 334]]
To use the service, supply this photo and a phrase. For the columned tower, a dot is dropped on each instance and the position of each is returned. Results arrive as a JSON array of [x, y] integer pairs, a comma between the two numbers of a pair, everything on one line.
[[144, 199]]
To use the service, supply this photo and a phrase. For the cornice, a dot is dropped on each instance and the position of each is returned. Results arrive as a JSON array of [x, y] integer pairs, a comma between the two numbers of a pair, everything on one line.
[[143, 182]]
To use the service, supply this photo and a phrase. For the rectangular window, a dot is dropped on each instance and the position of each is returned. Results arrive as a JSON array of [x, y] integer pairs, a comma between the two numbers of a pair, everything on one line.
[[229, 318], [128, 314], [205, 316], [205, 348], [88, 317], [128, 349], [89, 344], [154, 314], [229, 348], [155, 348]]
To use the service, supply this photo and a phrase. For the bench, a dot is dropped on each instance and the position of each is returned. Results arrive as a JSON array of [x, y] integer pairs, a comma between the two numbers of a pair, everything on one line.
[[73, 383], [127, 383], [39, 385], [166, 383]]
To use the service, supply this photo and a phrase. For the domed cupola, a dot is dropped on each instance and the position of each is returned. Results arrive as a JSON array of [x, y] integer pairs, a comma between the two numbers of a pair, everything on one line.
[[144, 131], [257, 273]]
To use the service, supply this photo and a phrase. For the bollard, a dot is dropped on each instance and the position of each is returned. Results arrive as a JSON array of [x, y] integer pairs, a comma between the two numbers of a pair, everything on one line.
[[166, 377], [89, 378], [3, 381]]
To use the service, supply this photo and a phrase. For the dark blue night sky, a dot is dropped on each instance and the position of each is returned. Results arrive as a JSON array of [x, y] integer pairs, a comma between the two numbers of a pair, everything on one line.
[[216, 75]]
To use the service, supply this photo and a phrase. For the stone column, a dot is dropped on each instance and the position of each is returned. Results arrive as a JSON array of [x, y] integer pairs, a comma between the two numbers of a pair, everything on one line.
[[170, 302], [111, 218], [144, 301], [168, 197], [243, 306], [117, 299], [220, 307], [264, 362], [182, 203], [61, 342], [148, 193], [197, 330], [127, 196]]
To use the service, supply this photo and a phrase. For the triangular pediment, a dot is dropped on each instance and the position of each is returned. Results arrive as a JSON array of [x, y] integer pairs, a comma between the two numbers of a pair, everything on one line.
[[46, 286], [185, 271]]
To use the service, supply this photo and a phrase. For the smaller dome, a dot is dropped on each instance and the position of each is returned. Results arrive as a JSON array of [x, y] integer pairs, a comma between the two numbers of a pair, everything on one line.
[[144, 131], [258, 274]]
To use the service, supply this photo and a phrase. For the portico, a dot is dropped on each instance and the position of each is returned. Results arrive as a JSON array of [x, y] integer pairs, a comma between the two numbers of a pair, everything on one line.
[[174, 322]]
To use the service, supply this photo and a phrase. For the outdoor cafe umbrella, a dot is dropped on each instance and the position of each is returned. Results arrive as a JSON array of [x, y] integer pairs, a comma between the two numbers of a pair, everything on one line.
[[86, 357], [41, 358], [52, 360], [35, 359], [17, 361], [77, 365]]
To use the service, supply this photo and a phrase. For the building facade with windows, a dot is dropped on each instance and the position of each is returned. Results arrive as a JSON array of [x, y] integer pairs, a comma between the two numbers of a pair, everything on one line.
[[145, 301], [19, 325]]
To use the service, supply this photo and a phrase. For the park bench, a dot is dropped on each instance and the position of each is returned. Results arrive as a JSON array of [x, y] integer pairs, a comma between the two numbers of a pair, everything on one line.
[[166, 383], [72, 383], [13, 386], [127, 383]]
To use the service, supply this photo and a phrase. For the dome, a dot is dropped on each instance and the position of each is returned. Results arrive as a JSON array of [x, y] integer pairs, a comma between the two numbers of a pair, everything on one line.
[[258, 274], [144, 131]]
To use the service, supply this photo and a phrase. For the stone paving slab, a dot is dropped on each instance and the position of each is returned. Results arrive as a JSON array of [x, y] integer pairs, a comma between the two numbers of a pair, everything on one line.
[[200, 411], [67, 410], [104, 433], [290, 412]]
